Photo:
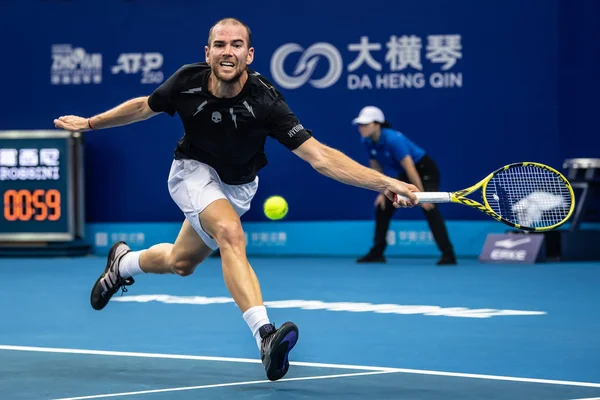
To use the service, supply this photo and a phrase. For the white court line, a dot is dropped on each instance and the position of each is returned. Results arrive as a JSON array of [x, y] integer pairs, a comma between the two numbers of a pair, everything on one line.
[[303, 364], [179, 389], [181, 357], [589, 398]]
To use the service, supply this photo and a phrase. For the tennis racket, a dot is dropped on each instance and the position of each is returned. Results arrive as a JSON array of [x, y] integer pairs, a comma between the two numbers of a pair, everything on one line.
[[529, 196]]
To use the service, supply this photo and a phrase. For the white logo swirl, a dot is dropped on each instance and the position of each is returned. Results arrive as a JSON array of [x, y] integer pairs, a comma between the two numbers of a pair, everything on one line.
[[306, 65]]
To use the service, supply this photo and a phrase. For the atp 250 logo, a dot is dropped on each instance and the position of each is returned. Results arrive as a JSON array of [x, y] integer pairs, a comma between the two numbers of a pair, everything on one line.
[[148, 64]]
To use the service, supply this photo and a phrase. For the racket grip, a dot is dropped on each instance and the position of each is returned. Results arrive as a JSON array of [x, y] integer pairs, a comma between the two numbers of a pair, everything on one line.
[[429, 197]]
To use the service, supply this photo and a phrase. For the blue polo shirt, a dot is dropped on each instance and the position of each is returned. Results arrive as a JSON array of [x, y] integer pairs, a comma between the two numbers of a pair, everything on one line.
[[391, 148]]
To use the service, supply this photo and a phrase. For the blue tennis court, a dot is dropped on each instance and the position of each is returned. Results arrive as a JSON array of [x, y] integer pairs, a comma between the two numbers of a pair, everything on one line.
[[401, 330]]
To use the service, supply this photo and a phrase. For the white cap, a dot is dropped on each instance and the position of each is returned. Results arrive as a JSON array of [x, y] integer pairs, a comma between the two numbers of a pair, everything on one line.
[[369, 114]]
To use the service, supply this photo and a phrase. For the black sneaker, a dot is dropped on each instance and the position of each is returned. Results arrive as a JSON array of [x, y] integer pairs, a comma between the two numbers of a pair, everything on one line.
[[275, 347], [110, 281], [372, 258], [449, 259]]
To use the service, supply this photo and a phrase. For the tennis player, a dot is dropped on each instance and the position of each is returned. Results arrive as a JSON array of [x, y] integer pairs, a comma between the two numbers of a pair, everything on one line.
[[227, 111]]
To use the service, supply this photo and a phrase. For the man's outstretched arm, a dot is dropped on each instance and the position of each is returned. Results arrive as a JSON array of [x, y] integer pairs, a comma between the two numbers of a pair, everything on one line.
[[131, 111], [336, 165]]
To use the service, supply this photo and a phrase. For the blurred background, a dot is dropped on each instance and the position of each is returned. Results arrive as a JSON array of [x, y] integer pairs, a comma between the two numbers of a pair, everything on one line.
[[477, 84]]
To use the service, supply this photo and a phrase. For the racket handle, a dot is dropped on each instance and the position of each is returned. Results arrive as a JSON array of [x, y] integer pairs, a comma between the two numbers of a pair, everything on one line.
[[430, 197]]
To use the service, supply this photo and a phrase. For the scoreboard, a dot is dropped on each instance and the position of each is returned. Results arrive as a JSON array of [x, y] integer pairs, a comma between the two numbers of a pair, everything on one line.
[[41, 186]]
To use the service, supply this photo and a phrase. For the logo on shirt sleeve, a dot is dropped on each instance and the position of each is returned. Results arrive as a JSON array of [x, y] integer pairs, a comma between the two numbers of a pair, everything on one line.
[[292, 132]]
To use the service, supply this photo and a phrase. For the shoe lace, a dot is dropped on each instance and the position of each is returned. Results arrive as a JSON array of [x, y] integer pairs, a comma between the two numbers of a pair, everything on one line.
[[120, 282], [266, 341], [124, 282]]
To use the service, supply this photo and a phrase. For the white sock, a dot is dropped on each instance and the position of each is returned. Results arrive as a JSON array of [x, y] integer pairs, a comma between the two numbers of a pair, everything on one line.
[[256, 317], [130, 264]]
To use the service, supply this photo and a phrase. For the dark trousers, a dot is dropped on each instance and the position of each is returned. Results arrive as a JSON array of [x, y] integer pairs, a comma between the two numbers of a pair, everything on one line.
[[430, 176]]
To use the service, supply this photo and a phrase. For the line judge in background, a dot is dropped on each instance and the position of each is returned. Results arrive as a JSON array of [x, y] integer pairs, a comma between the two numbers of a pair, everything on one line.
[[388, 148]]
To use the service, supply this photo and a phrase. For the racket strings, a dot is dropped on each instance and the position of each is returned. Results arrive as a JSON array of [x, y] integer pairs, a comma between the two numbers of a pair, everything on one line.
[[530, 196]]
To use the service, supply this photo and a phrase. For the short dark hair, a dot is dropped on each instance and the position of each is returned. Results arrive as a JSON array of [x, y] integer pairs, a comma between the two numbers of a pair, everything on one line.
[[234, 21]]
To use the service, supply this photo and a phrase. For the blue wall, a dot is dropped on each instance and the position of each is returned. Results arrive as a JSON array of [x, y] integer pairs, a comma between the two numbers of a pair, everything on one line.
[[528, 90], [579, 84]]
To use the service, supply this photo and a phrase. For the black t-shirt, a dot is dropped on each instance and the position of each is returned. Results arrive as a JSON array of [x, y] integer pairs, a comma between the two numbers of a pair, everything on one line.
[[227, 134]]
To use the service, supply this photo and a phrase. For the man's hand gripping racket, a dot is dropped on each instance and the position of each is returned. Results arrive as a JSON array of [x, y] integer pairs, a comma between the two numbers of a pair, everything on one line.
[[401, 194]]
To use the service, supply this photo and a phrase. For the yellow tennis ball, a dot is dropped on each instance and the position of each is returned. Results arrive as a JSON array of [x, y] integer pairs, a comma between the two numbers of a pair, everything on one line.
[[275, 207]]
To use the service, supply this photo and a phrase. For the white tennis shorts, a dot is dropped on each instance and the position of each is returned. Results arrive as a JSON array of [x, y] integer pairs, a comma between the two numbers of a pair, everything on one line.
[[194, 185]]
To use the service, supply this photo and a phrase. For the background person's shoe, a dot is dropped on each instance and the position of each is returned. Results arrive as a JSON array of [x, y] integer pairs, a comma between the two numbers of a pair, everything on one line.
[[447, 260], [372, 258]]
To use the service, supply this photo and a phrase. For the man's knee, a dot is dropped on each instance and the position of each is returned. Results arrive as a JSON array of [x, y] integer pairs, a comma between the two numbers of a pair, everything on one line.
[[182, 266], [229, 233]]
